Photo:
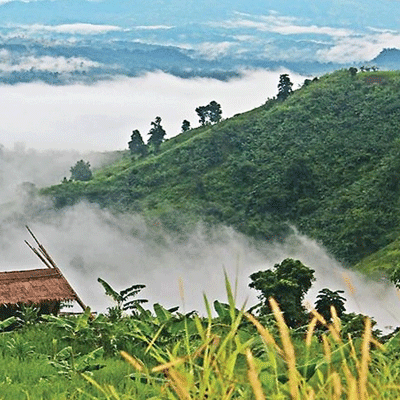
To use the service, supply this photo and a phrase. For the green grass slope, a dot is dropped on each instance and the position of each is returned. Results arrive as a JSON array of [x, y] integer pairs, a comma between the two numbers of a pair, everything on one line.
[[326, 160]]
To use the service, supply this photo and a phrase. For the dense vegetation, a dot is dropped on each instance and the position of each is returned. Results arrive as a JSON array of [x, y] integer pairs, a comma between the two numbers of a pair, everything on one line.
[[325, 160], [168, 355]]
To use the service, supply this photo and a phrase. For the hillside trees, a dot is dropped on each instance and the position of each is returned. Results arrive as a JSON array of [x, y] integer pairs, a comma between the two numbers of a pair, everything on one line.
[[81, 171], [284, 87], [209, 114], [185, 125], [157, 134], [287, 283], [136, 144]]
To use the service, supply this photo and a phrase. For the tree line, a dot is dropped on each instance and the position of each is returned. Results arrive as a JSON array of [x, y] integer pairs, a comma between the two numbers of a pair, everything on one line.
[[208, 115]]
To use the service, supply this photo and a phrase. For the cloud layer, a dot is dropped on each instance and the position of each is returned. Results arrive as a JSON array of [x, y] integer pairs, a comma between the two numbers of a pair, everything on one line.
[[102, 116]]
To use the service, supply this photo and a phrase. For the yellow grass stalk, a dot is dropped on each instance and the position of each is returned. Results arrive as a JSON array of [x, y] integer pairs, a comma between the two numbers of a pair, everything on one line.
[[352, 393], [288, 349], [311, 394], [264, 332], [379, 345], [229, 393], [332, 329], [335, 320], [349, 284], [337, 386], [365, 358], [168, 365], [319, 317], [354, 353], [179, 385], [348, 374], [181, 291], [131, 360], [253, 377], [327, 349], [310, 331]]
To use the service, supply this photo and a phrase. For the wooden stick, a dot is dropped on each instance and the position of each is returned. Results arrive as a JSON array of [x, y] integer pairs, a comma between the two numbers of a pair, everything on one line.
[[39, 255], [42, 249], [54, 265]]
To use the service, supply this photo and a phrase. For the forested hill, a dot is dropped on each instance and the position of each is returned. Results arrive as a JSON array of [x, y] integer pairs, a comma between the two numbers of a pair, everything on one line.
[[326, 160]]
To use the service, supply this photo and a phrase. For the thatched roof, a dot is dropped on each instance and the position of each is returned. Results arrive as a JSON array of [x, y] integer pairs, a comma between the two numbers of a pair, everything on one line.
[[34, 286]]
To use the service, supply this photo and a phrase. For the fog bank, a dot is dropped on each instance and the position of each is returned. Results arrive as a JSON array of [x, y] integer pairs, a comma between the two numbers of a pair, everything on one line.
[[102, 116], [88, 243]]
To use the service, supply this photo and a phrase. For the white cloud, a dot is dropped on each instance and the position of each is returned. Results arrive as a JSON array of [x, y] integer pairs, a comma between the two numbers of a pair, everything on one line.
[[77, 28], [102, 116], [152, 27], [359, 48], [284, 25], [213, 50], [345, 45], [9, 62]]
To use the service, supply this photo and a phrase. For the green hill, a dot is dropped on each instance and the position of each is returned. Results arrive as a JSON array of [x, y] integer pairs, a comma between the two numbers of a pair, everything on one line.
[[326, 160]]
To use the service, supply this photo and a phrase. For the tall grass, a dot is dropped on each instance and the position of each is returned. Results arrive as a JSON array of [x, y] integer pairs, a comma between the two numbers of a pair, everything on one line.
[[244, 360], [237, 357]]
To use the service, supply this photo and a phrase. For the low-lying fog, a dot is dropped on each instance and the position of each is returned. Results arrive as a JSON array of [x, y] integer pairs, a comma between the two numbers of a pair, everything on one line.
[[88, 243], [102, 116]]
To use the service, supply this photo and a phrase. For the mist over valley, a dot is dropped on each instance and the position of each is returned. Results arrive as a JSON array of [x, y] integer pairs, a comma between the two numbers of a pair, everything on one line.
[[125, 248]]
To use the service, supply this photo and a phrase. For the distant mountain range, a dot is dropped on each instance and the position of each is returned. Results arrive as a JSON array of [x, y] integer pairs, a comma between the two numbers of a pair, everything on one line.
[[388, 59], [62, 41]]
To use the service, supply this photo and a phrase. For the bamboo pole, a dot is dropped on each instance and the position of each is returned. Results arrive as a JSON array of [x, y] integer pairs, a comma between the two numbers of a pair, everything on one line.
[[39, 255], [46, 256]]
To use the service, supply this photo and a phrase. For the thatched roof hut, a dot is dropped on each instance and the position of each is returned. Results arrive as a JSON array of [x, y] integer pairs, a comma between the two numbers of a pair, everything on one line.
[[34, 286], [44, 288]]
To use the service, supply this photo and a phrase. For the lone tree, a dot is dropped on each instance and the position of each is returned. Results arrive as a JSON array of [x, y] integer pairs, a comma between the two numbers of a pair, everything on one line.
[[157, 134], [284, 87], [209, 114], [81, 171], [136, 145], [185, 125], [287, 283]]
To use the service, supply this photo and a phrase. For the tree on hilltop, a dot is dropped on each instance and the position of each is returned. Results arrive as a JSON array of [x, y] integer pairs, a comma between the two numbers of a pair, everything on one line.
[[185, 125], [157, 134], [136, 144], [81, 171], [284, 87], [209, 114]]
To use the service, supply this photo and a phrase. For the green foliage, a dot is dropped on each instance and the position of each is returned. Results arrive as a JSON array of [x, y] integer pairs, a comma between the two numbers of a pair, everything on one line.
[[287, 283], [136, 144], [157, 134], [7, 323], [284, 87], [185, 125], [122, 298], [174, 356], [326, 160], [395, 277], [81, 171], [19, 348], [327, 298], [209, 114]]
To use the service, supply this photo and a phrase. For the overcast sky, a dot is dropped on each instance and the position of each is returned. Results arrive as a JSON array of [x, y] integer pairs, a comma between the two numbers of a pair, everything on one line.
[[102, 116]]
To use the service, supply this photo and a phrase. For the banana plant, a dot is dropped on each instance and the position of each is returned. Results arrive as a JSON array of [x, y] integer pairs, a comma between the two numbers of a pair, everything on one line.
[[122, 298]]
